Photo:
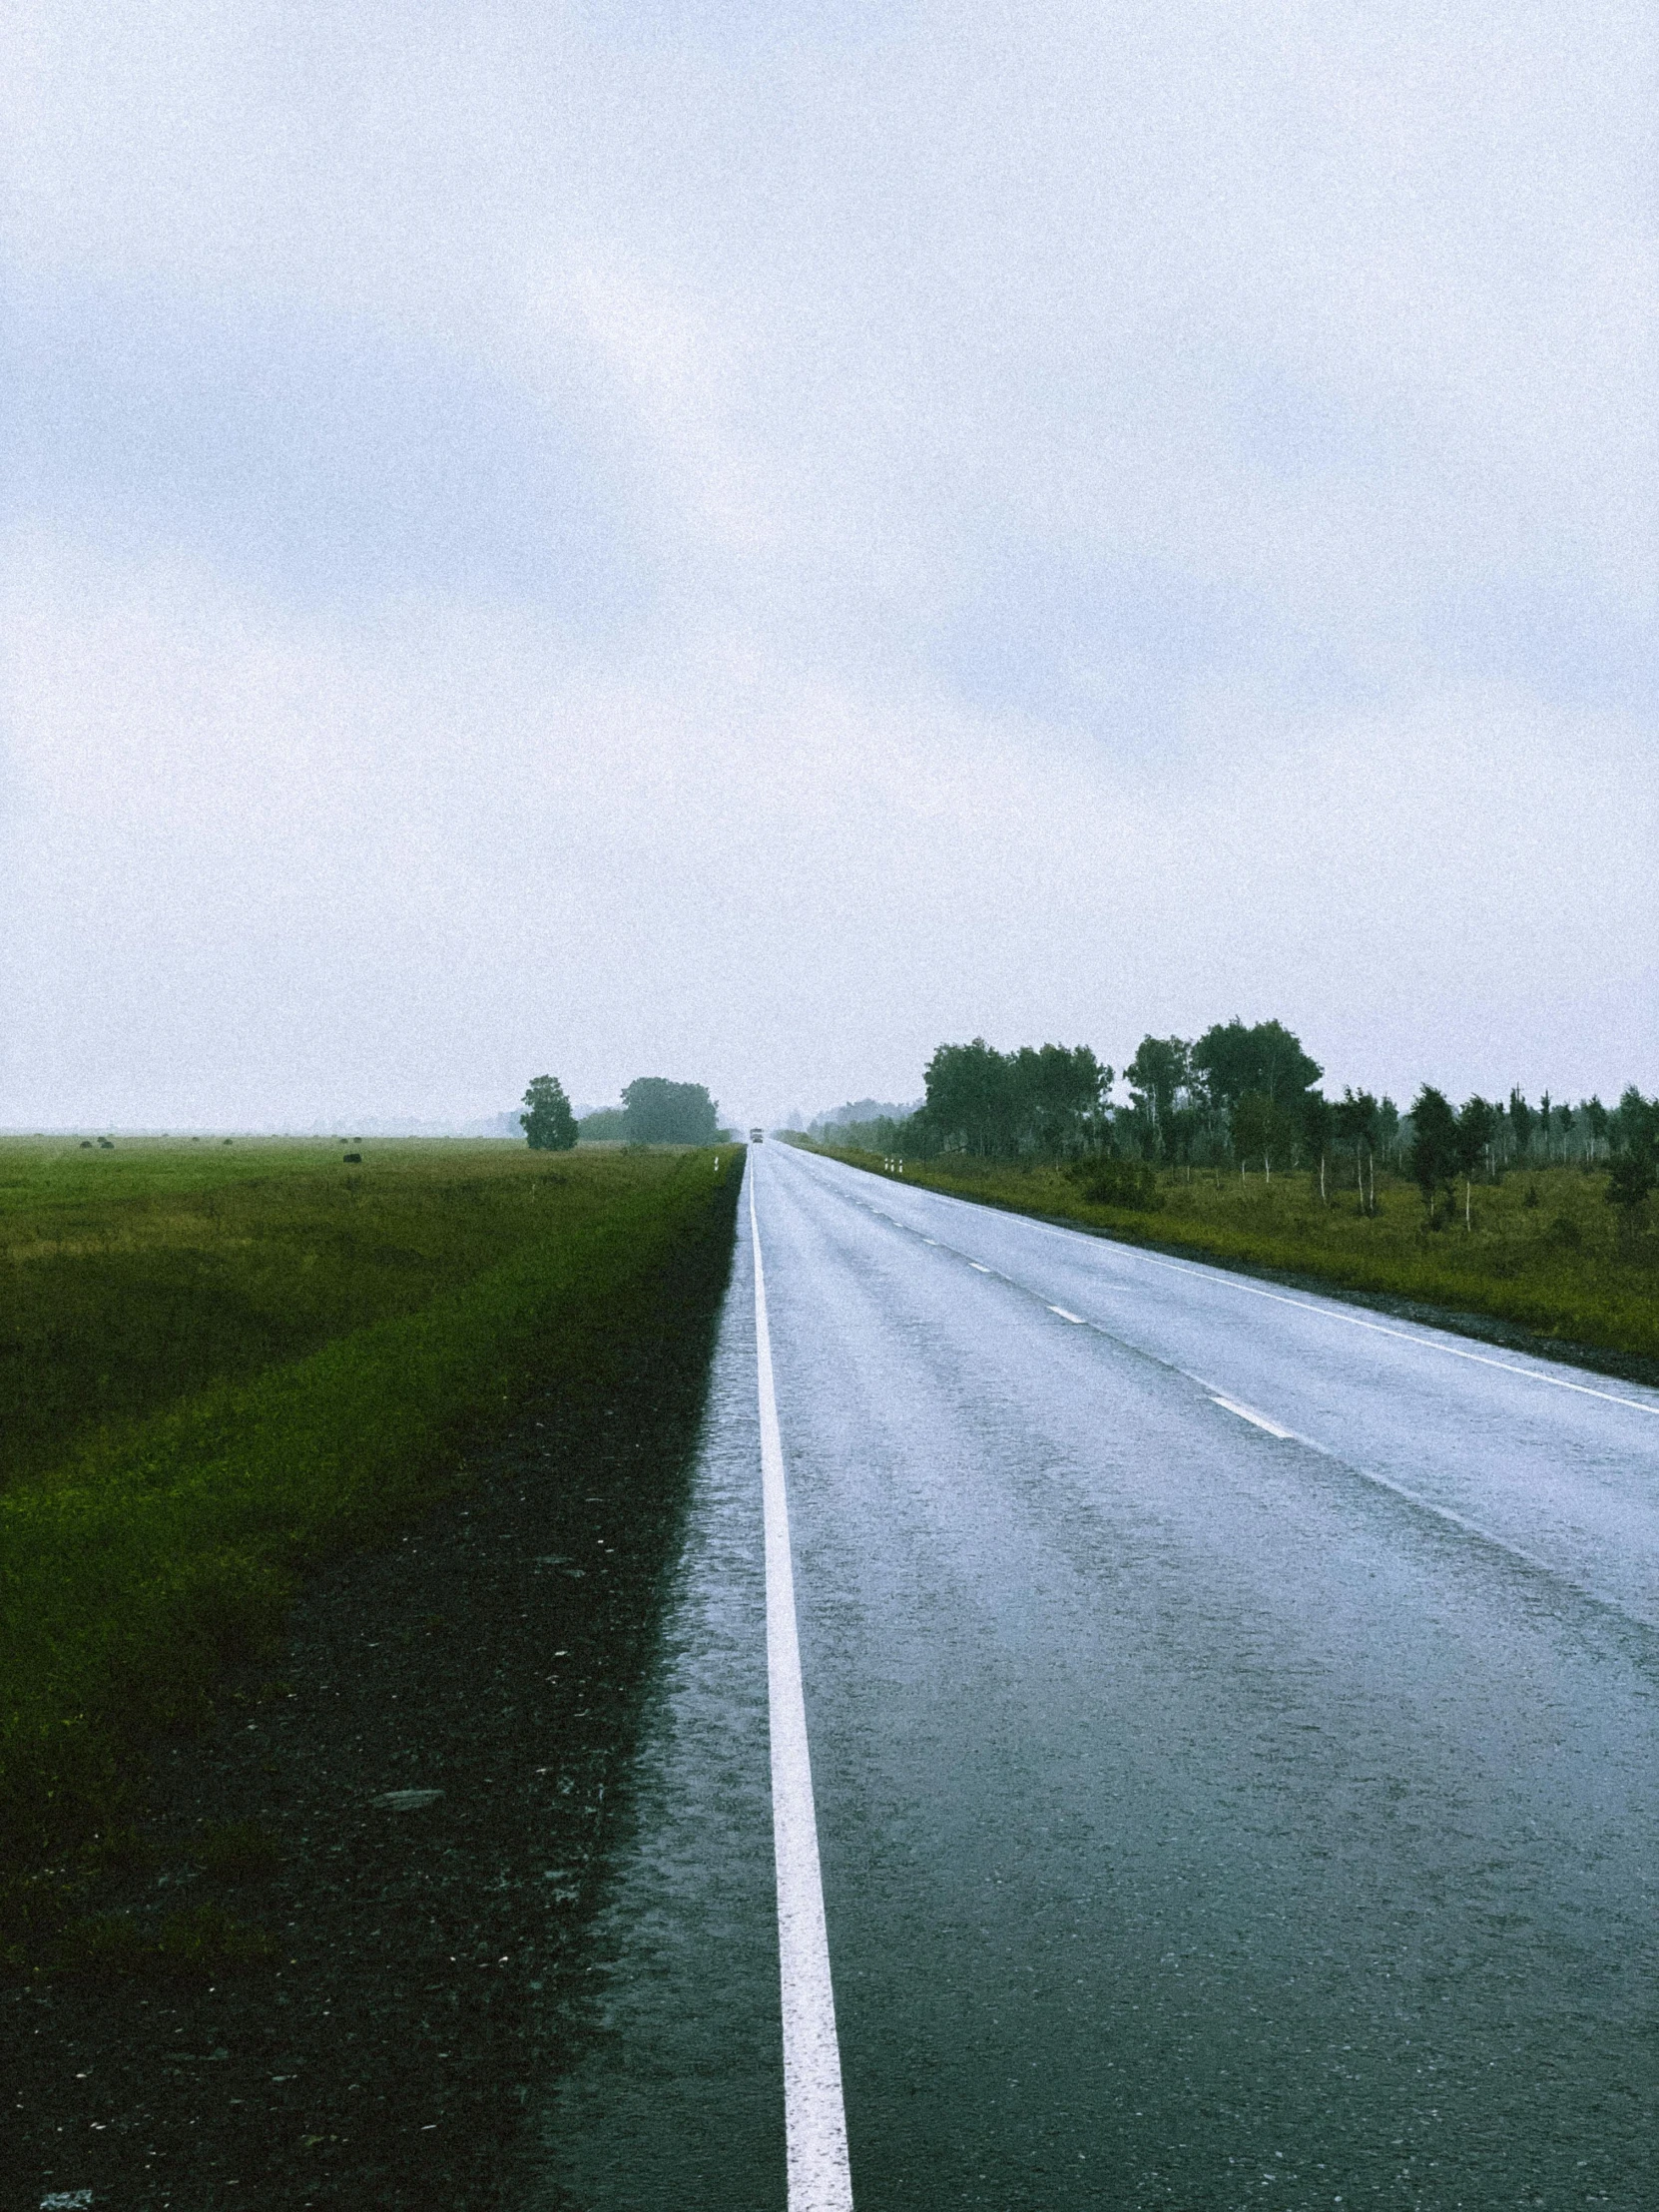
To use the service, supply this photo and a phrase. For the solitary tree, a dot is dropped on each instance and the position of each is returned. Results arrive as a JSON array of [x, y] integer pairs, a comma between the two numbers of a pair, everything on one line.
[[660, 1112], [548, 1123]]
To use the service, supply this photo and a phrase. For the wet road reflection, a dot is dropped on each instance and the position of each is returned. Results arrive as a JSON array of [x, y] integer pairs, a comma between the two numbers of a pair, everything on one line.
[[1209, 1817]]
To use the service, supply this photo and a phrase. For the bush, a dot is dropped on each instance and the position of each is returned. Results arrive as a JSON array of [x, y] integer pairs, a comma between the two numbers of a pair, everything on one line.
[[1629, 1186], [1130, 1183]]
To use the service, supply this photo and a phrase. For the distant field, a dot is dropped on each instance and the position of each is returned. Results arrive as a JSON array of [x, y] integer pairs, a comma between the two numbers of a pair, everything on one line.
[[1543, 1251], [218, 1362], [132, 1278]]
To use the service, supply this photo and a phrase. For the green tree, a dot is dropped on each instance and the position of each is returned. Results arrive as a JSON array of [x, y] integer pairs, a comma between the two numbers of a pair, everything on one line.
[[1319, 1122], [548, 1123], [1055, 1093], [1634, 1125], [1263, 1130], [1159, 1070], [1477, 1128], [1387, 1131], [656, 1111], [1357, 1119], [1520, 1124], [1433, 1146], [1596, 1116], [968, 1097], [1630, 1184], [1635, 1167], [1230, 1059], [1043, 1101]]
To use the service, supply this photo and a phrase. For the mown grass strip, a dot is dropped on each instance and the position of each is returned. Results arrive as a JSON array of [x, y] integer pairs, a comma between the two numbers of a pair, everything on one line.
[[1543, 1251], [132, 1281], [163, 1549]]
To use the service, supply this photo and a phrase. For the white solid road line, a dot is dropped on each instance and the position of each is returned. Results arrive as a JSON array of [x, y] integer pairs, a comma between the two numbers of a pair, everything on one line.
[[1261, 1421], [1425, 1341], [1224, 1279], [1220, 1275], [814, 2116]]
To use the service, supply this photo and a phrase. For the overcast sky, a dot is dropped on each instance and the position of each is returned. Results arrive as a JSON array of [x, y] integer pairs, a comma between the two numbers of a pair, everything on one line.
[[741, 542]]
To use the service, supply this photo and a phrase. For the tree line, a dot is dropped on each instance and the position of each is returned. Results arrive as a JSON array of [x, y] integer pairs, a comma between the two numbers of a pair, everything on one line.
[[1248, 1097], [653, 1111]]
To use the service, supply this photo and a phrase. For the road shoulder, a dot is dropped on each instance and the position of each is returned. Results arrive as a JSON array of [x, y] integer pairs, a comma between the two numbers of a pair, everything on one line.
[[406, 1811], [1487, 1328]]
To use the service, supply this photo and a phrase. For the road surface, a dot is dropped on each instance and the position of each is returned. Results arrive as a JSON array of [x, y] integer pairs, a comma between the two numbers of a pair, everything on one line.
[[1231, 1725]]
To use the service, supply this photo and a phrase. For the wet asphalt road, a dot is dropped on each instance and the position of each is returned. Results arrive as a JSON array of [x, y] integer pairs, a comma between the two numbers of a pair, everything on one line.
[[1209, 1817]]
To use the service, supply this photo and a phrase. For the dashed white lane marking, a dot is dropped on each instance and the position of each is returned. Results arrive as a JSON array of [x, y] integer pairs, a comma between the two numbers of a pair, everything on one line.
[[814, 2114], [1410, 1497], [1219, 1278], [1261, 1421], [1076, 1319]]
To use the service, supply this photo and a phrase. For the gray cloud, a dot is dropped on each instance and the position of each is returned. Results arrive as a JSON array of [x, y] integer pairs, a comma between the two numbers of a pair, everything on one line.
[[744, 543], [336, 463]]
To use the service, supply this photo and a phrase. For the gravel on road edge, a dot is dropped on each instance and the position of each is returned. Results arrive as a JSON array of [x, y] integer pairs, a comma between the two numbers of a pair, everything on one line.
[[413, 1804]]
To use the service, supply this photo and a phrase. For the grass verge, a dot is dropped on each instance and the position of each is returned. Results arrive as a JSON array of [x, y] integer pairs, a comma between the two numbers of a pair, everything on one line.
[[164, 1545], [1542, 1252], [132, 1280]]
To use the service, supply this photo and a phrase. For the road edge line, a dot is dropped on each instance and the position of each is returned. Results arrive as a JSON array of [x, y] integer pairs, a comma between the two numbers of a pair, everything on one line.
[[1425, 1334], [815, 2114]]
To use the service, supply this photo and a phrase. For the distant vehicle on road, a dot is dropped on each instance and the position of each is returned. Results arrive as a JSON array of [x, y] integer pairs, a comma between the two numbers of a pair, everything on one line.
[[757, 1136]]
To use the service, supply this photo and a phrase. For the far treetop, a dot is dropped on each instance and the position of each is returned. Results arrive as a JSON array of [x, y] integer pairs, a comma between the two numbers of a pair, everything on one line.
[[653, 1111], [1242, 1091]]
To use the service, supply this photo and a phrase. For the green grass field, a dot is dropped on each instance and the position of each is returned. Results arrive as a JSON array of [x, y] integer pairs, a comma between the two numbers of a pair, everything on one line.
[[218, 1362], [1543, 1252]]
